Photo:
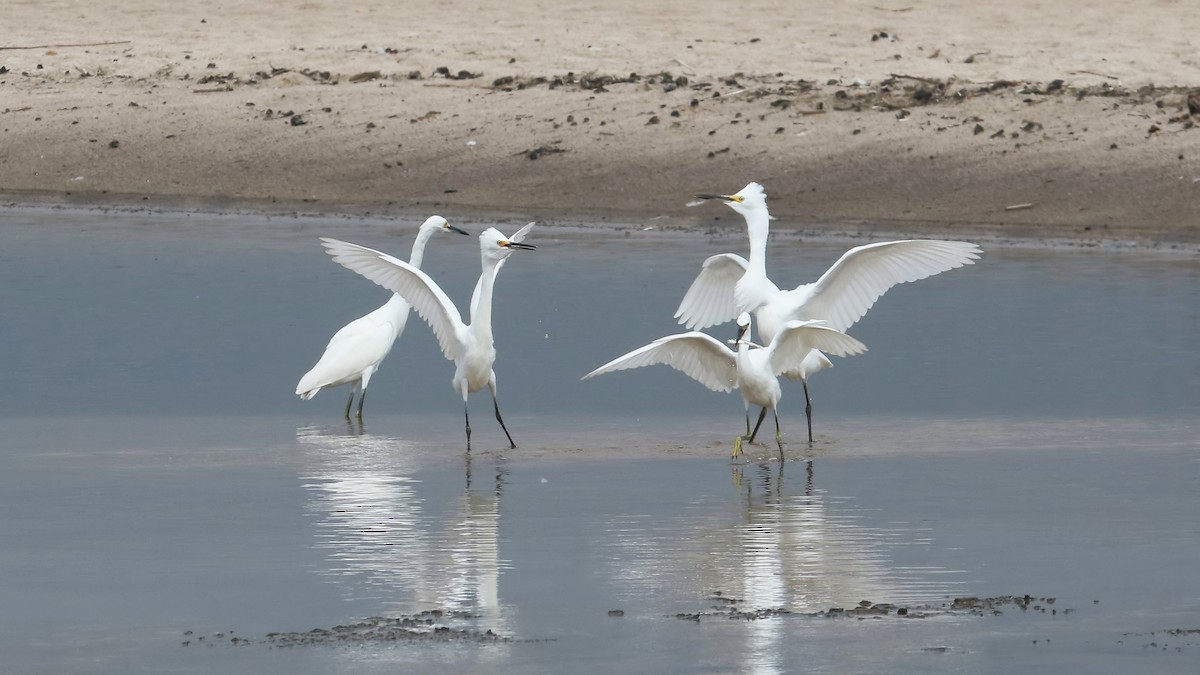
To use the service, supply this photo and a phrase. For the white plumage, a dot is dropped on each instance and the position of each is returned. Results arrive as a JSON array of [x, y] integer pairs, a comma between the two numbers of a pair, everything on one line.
[[729, 284], [469, 346], [751, 368], [356, 350]]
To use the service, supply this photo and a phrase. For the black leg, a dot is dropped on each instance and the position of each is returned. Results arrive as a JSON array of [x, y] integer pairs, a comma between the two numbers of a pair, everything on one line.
[[362, 397], [467, 416], [808, 409], [778, 434], [761, 416], [350, 402], [501, 421]]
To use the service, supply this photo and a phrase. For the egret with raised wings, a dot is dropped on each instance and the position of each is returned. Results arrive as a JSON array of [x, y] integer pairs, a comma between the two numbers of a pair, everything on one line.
[[355, 352], [729, 284], [752, 369], [469, 346]]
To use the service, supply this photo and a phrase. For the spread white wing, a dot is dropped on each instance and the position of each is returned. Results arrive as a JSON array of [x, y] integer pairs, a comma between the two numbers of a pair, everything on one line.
[[798, 338], [848, 289], [701, 357], [710, 299], [421, 292]]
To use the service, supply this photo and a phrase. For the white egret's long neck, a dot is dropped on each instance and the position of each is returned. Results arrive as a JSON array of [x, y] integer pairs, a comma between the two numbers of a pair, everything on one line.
[[481, 314], [418, 249], [753, 289], [758, 227], [743, 356]]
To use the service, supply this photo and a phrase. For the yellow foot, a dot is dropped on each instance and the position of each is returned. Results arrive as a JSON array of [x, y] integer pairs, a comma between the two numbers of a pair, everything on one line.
[[737, 447]]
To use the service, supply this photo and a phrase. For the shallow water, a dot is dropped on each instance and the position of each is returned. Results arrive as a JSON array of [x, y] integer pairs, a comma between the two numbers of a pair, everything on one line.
[[1025, 426]]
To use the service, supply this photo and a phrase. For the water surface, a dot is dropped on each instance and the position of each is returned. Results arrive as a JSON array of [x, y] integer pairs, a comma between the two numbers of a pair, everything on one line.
[[1025, 426]]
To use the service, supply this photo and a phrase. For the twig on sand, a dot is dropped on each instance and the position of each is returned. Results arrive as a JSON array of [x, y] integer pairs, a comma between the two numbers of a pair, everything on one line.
[[926, 80], [889, 9], [1019, 207], [686, 68], [1092, 72], [77, 44]]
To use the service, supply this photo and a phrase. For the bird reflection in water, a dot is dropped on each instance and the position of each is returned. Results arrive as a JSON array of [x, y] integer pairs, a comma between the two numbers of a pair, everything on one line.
[[389, 542], [804, 550], [780, 543]]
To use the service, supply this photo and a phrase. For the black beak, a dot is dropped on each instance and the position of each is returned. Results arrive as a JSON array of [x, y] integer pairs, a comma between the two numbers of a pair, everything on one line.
[[455, 229], [721, 197], [524, 247]]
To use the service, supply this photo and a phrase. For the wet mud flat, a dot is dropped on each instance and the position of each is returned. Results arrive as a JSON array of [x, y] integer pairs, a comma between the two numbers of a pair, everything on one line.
[[437, 626], [374, 553], [430, 625]]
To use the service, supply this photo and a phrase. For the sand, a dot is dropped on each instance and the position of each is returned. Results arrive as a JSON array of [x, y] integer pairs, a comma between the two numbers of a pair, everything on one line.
[[1021, 119]]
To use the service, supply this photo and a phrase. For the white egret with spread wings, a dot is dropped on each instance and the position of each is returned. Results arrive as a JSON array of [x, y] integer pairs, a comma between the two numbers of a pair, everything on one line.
[[728, 284], [751, 368]]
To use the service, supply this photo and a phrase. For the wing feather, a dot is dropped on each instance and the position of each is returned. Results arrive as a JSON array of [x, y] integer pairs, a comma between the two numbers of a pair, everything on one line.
[[422, 293], [798, 338], [710, 298], [701, 357], [848, 289], [355, 347]]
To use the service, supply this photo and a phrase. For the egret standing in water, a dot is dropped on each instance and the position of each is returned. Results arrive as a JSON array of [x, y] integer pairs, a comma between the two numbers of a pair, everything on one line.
[[355, 352], [469, 346], [729, 284], [752, 368]]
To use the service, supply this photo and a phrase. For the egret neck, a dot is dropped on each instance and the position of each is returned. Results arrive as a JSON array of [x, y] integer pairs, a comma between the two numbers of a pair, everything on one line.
[[481, 313], [753, 289]]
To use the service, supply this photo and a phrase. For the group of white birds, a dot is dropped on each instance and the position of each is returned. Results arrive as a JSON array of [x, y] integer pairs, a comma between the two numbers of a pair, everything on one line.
[[797, 327]]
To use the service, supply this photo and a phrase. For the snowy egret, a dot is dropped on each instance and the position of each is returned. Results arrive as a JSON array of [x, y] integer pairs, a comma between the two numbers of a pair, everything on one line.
[[469, 346], [752, 368], [355, 352], [729, 284]]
